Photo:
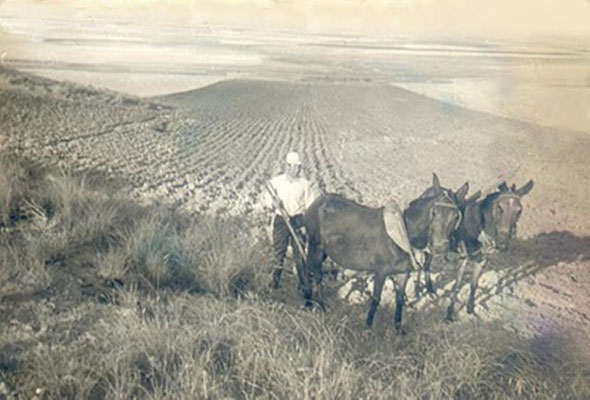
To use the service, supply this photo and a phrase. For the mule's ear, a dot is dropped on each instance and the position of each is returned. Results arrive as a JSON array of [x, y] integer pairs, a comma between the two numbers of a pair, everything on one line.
[[462, 191], [503, 187], [435, 181], [473, 198], [525, 189]]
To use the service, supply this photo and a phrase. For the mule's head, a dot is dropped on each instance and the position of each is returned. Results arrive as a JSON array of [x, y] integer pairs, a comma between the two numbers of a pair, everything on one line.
[[501, 212], [440, 213]]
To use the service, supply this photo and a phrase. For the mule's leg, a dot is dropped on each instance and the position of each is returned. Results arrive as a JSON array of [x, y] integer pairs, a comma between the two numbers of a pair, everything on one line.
[[427, 278], [306, 285], [276, 276], [318, 275], [456, 287], [418, 284], [375, 297], [474, 280], [315, 275], [311, 268], [400, 297]]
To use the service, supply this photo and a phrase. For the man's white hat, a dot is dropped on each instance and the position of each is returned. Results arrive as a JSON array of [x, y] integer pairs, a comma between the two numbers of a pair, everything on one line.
[[293, 158]]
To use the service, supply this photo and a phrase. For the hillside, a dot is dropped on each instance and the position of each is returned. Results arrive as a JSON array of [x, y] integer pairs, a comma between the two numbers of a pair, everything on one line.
[[206, 151]]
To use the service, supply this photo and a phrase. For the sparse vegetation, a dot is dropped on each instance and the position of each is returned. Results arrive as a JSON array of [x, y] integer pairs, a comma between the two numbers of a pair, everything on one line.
[[103, 298]]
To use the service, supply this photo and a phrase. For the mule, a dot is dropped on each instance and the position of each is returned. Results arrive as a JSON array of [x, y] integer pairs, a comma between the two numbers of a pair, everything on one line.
[[489, 224], [419, 238], [354, 236]]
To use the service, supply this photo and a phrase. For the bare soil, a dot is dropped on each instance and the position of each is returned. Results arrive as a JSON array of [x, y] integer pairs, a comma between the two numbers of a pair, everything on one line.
[[207, 150]]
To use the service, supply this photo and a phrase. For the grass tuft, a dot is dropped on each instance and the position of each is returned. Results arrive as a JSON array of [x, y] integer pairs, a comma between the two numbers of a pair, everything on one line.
[[180, 308]]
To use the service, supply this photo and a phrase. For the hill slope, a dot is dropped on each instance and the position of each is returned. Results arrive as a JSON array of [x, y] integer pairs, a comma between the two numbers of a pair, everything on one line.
[[208, 149]]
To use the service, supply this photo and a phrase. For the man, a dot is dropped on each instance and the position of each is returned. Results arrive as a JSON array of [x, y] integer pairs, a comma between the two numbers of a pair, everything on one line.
[[293, 194]]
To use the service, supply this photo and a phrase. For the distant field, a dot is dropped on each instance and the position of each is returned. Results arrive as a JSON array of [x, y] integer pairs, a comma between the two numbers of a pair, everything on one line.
[[207, 151], [543, 81]]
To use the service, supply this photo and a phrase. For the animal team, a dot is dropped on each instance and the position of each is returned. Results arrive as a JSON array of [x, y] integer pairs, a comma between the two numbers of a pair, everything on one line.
[[386, 241]]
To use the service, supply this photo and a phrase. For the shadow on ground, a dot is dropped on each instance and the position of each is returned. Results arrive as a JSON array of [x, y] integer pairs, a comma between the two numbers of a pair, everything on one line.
[[523, 260]]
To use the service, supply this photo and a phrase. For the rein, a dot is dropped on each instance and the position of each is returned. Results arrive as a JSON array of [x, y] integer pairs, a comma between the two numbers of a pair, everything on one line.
[[449, 204]]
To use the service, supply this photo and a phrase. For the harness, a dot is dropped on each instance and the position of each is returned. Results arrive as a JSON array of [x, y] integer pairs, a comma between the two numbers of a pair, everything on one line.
[[448, 204], [396, 229], [487, 242], [509, 195], [445, 202]]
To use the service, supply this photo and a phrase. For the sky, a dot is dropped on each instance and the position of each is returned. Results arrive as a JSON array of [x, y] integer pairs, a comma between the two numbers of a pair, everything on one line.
[[459, 18]]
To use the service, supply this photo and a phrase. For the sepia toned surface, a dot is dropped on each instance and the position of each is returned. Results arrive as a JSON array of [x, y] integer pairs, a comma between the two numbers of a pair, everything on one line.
[[198, 115]]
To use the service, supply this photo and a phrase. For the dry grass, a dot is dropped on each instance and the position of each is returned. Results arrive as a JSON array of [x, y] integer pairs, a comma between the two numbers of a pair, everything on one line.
[[20, 180], [187, 347], [193, 317]]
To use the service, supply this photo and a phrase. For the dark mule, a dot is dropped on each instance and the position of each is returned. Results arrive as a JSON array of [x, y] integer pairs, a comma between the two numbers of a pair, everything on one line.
[[420, 237], [487, 225], [355, 237]]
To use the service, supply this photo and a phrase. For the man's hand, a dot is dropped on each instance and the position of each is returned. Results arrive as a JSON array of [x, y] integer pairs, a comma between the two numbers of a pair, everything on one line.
[[272, 208], [303, 231]]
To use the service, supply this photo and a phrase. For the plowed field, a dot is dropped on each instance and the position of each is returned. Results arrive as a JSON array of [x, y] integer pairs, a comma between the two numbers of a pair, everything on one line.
[[207, 151]]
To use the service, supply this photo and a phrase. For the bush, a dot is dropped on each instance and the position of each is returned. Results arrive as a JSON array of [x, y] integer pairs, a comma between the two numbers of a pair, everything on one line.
[[230, 259], [78, 221]]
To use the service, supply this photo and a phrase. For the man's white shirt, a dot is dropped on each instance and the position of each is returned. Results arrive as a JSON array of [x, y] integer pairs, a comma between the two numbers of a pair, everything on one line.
[[297, 194]]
